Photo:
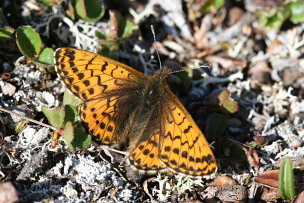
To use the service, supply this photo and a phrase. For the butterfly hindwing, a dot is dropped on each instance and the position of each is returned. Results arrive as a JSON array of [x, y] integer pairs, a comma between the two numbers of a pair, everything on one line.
[[184, 148], [99, 117], [176, 142], [146, 155]]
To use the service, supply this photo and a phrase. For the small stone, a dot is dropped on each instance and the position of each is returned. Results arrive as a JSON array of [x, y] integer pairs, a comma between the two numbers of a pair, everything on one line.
[[8, 192], [7, 88], [295, 142]]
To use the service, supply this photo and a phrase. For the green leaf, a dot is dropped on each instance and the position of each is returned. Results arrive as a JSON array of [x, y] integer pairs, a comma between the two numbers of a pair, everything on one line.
[[129, 29], [20, 126], [89, 10], [230, 150], [70, 114], [120, 27], [111, 45], [72, 9], [259, 141], [68, 135], [286, 180], [28, 41], [49, 2], [70, 99], [212, 5], [6, 33], [297, 11], [100, 35], [76, 138], [82, 139], [216, 125], [274, 18], [47, 56], [116, 25], [207, 7], [55, 116], [180, 82], [227, 103], [105, 52], [71, 103], [219, 3]]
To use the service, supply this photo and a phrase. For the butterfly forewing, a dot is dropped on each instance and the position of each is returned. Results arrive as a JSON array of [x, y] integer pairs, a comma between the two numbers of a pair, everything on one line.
[[90, 75]]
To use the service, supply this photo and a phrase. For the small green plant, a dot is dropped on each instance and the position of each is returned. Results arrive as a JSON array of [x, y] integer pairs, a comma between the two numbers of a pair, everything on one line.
[[87, 10], [49, 2], [217, 121], [212, 5], [120, 29], [275, 17], [66, 120], [29, 43], [6, 33], [286, 180]]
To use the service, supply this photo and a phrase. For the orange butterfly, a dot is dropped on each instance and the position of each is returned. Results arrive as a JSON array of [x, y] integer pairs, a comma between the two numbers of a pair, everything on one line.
[[122, 105]]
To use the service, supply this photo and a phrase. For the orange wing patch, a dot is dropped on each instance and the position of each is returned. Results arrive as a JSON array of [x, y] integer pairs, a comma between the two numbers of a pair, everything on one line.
[[146, 155], [90, 75], [99, 117], [184, 148]]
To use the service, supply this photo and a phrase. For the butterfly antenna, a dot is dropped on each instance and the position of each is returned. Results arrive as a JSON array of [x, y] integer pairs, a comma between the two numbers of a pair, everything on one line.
[[191, 68], [154, 38]]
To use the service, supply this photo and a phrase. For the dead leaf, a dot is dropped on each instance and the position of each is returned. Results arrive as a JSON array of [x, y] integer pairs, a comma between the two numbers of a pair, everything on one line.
[[261, 140], [231, 193], [252, 157], [227, 102], [290, 76], [222, 181], [234, 15], [270, 194], [8, 193], [299, 198], [269, 178], [260, 75], [273, 46]]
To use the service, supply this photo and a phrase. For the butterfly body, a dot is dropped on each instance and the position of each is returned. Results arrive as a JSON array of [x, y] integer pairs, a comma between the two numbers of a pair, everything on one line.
[[123, 106]]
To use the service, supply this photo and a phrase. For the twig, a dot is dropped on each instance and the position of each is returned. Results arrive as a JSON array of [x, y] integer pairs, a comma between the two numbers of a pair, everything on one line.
[[214, 80], [28, 119]]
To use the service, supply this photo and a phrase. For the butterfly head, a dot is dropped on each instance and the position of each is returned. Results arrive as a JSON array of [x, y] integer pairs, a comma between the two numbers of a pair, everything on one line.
[[162, 75], [155, 89]]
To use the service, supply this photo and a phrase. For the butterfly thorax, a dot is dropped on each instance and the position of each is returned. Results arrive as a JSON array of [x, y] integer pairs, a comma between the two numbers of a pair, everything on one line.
[[155, 90]]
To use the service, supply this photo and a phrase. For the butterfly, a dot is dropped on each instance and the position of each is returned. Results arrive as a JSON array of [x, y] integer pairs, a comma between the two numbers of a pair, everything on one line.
[[122, 105]]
